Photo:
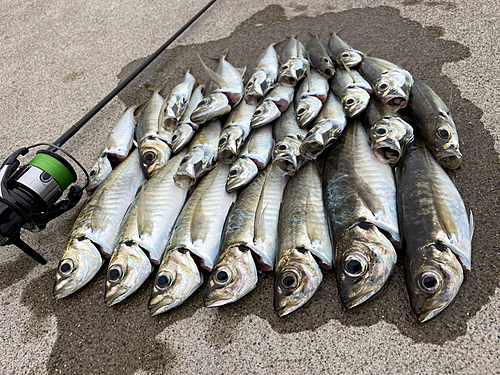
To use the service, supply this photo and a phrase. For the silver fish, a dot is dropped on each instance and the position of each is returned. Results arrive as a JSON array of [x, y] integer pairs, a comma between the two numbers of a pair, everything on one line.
[[254, 156], [360, 200], [197, 232], [354, 94], [273, 106], [201, 155], [96, 227], [303, 238], [288, 137], [144, 233], [175, 104], [294, 62], [186, 128], [264, 75], [342, 53], [100, 171], [389, 133], [120, 138], [319, 58], [392, 85], [326, 129], [310, 96], [252, 226], [235, 132]]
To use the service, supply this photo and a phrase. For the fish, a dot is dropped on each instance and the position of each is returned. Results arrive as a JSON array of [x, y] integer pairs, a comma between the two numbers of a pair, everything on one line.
[[144, 233], [120, 139], [389, 133], [253, 157], [288, 136], [392, 85], [319, 58], [197, 232], [263, 76], [201, 155], [436, 230], [326, 128], [176, 103], [352, 90], [342, 54], [360, 199], [251, 230], [151, 138], [273, 106], [96, 227], [310, 96], [304, 243], [235, 132], [436, 124], [99, 172], [294, 62], [186, 128], [228, 92]]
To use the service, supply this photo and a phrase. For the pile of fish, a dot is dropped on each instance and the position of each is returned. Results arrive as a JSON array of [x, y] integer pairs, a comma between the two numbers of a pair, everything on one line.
[[324, 158]]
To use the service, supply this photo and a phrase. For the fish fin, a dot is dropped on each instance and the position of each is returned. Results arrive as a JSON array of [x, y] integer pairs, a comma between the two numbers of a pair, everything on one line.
[[259, 222], [471, 225], [144, 224], [216, 78], [349, 71], [242, 71], [162, 86], [139, 107], [311, 34], [309, 81]]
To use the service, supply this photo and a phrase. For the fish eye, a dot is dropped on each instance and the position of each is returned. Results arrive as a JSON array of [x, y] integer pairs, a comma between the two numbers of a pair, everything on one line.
[[250, 84], [328, 72], [289, 280], [284, 67], [222, 275], [174, 137], [430, 282], [257, 112], [326, 60], [443, 133], [233, 172], [301, 111], [355, 265], [203, 102], [184, 160], [115, 273], [222, 141], [282, 147], [365, 226], [164, 280], [345, 54], [149, 157], [381, 131], [309, 134], [383, 86], [66, 267], [350, 101], [197, 166], [92, 173]]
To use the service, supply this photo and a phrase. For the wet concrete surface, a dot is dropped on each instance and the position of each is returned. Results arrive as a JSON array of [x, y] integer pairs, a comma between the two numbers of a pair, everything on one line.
[[248, 335]]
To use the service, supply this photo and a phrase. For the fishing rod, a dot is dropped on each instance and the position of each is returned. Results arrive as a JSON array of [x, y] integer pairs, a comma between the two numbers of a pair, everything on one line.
[[30, 194]]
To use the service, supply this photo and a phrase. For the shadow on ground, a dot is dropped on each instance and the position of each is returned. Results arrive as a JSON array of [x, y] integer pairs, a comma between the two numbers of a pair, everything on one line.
[[101, 340]]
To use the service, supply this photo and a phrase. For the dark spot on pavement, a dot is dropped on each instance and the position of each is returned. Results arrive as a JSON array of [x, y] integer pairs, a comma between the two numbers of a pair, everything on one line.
[[12, 272], [122, 339], [73, 76]]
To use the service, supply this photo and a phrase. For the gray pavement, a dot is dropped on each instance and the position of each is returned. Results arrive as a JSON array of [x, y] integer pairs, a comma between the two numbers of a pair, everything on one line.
[[58, 59]]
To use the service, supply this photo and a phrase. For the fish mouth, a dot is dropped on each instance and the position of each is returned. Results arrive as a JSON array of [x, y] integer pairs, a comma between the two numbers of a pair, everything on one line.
[[220, 300], [353, 301], [311, 148], [286, 165], [116, 294], [450, 159], [387, 152], [184, 180], [216, 104], [163, 304], [64, 288], [429, 314], [394, 103]]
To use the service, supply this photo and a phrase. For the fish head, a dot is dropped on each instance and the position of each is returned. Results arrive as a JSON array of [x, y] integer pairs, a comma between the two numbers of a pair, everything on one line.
[[293, 71], [178, 277], [386, 138], [433, 279], [350, 58], [197, 161], [314, 141], [265, 113], [100, 170], [258, 85], [173, 108], [298, 276], [307, 109], [286, 156], [80, 263], [234, 276], [326, 67], [365, 259], [182, 135], [214, 105], [241, 173], [393, 89], [354, 100], [128, 268], [154, 154], [444, 144], [230, 142]]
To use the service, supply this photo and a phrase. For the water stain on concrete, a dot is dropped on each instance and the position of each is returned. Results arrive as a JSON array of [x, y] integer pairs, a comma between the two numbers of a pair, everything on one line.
[[101, 340]]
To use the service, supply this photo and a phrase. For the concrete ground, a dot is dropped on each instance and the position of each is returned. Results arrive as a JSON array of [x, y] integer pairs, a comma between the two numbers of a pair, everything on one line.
[[59, 58]]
